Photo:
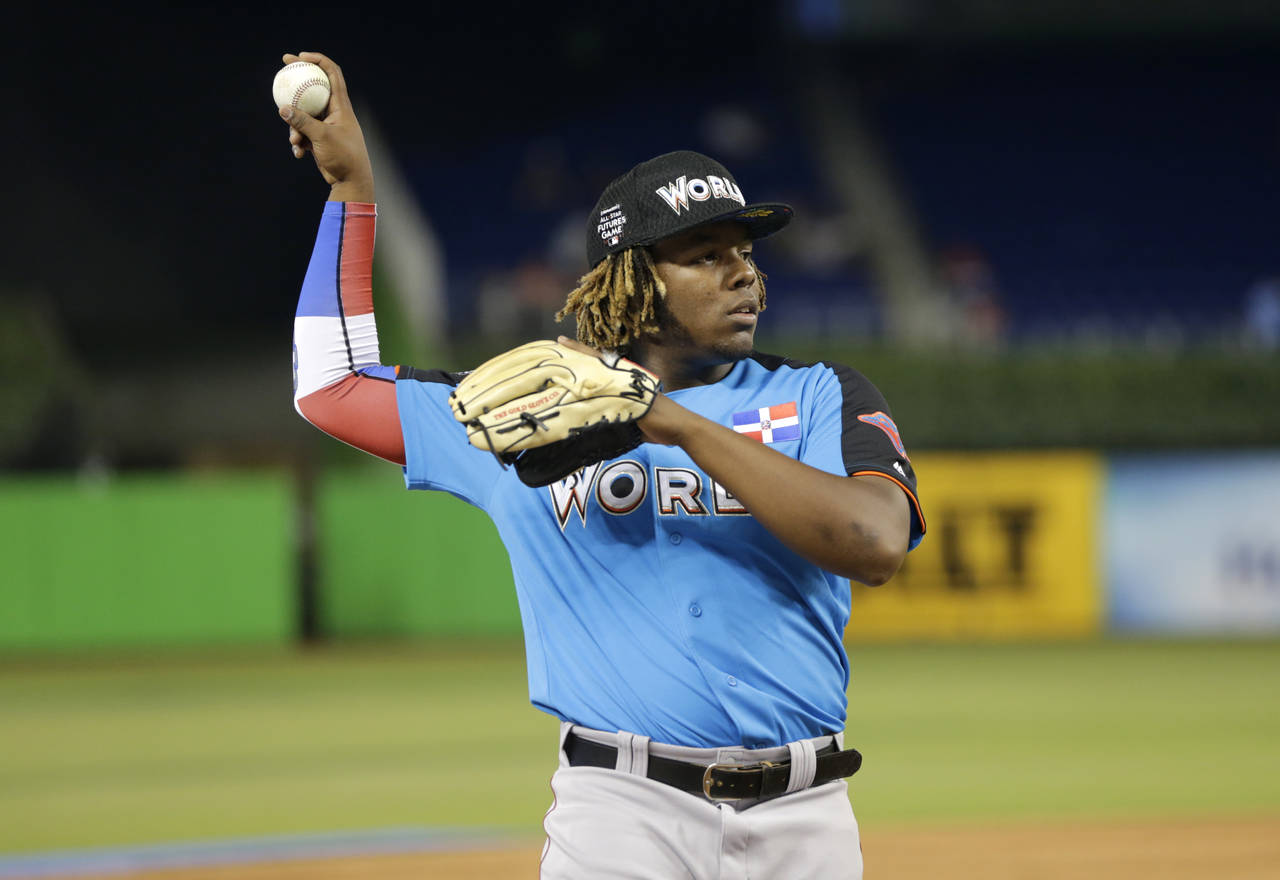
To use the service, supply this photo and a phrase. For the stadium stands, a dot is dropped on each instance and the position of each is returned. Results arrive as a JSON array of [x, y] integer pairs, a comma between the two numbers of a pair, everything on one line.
[[1117, 190], [523, 205], [1126, 193]]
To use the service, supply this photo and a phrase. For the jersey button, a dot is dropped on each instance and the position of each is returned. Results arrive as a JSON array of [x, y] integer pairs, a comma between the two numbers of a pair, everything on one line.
[[676, 538], [695, 610], [733, 682]]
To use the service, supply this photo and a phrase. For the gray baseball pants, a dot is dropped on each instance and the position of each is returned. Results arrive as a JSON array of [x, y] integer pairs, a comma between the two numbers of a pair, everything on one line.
[[620, 824]]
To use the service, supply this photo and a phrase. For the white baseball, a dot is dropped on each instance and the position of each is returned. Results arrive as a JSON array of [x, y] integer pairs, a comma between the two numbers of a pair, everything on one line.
[[303, 86]]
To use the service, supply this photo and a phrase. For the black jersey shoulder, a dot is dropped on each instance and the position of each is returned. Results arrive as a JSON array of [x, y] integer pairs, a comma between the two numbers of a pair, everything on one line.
[[858, 397], [443, 377], [860, 393], [869, 441]]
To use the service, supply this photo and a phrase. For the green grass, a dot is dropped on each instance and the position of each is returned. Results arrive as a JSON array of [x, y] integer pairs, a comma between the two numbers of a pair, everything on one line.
[[115, 750], [1120, 728], [200, 747]]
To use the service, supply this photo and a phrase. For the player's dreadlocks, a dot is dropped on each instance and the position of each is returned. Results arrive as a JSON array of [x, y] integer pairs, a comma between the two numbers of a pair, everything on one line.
[[616, 302]]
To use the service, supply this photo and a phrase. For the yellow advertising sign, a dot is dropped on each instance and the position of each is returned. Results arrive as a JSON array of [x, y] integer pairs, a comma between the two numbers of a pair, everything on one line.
[[1011, 551]]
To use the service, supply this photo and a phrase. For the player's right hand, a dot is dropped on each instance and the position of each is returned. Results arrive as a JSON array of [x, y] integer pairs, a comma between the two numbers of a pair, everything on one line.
[[335, 142]]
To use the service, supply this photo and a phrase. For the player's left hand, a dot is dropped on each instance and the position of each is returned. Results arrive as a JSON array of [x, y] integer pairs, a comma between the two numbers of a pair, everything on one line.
[[553, 407], [661, 424]]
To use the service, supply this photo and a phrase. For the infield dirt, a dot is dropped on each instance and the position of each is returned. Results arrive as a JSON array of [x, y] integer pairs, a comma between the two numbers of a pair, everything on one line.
[[1224, 849]]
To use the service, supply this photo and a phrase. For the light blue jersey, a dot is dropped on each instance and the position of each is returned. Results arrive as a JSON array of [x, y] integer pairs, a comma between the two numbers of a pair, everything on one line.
[[652, 602]]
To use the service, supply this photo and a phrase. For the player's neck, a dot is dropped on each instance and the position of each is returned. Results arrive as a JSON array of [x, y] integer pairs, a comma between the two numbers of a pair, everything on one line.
[[678, 368]]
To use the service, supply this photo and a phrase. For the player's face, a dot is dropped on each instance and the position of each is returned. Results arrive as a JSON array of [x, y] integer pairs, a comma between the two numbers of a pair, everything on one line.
[[713, 292]]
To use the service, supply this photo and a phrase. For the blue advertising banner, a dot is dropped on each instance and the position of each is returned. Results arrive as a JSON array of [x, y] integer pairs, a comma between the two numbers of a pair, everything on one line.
[[1192, 542]]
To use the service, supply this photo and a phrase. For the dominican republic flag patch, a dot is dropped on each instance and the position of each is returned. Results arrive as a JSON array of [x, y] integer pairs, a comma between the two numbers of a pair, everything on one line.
[[769, 424]]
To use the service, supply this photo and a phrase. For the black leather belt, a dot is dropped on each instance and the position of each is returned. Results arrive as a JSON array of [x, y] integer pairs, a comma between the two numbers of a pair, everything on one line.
[[719, 782]]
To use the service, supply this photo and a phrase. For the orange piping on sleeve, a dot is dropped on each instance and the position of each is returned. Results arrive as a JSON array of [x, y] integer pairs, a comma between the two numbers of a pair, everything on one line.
[[914, 501]]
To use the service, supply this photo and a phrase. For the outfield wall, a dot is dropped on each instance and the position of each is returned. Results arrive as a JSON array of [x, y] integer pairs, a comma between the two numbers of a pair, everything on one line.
[[1011, 551], [397, 563], [1020, 545], [151, 560], [1193, 542]]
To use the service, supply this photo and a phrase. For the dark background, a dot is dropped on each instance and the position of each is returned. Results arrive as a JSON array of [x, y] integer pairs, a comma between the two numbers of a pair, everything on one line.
[[151, 183], [158, 227]]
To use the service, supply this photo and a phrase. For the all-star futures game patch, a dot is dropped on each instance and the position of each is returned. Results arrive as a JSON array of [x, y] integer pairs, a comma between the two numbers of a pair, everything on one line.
[[668, 195], [611, 222]]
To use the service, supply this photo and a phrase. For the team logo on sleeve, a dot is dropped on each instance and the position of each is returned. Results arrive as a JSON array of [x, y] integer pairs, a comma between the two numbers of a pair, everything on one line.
[[884, 423], [769, 424]]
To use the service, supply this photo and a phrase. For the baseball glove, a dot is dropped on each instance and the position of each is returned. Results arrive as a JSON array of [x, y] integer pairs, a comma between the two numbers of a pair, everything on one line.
[[550, 410]]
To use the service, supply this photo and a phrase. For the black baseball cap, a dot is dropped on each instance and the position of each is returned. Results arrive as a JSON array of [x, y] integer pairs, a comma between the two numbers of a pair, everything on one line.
[[670, 194]]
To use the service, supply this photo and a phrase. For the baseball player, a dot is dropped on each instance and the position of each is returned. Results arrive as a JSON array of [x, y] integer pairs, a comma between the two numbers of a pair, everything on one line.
[[683, 601]]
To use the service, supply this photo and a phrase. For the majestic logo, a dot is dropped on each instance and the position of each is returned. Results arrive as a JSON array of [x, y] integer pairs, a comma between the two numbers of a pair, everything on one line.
[[677, 194], [769, 424], [884, 423], [621, 487], [610, 226]]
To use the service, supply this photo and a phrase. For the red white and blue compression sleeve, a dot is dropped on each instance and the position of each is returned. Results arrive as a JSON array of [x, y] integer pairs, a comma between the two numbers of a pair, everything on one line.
[[339, 383]]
